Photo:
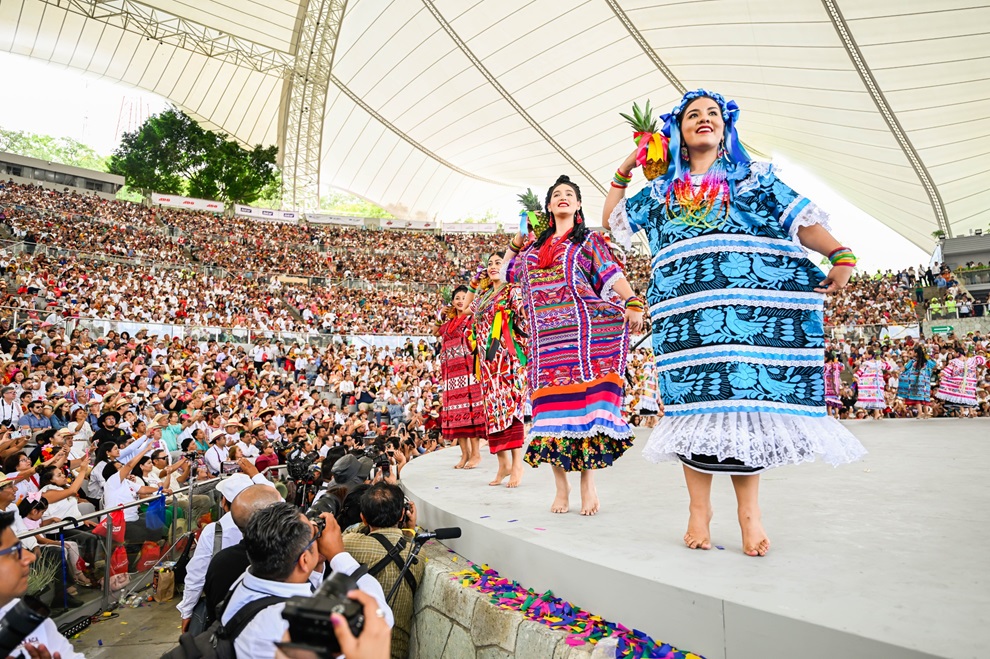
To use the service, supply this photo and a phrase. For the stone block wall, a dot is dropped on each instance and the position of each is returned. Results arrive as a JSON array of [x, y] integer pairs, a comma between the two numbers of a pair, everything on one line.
[[452, 621]]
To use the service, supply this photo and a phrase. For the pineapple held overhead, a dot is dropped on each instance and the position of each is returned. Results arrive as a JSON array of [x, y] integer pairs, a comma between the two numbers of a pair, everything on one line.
[[653, 153], [533, 209]]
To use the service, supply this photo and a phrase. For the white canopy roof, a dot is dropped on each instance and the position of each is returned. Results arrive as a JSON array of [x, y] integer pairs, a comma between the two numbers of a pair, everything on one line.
[[444, 108]]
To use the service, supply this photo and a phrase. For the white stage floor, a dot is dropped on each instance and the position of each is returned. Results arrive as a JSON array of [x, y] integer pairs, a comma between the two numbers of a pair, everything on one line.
[[887, 557]]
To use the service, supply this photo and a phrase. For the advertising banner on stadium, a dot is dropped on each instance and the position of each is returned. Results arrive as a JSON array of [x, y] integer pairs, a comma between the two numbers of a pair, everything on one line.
[[266, 214], [464, 227], [316, 218], [409, 224], [176, 201]]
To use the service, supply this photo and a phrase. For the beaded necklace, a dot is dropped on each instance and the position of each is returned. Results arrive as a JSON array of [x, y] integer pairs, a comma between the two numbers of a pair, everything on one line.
[[694, 206]]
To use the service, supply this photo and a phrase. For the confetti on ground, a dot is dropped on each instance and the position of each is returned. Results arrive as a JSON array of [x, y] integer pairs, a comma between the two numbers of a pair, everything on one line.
[[513, 520], [539, 528], [486, 517], [719, 547], [582, 627]]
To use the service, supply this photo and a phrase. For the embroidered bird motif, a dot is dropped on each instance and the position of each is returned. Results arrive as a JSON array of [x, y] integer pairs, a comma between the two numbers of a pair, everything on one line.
[[741, 328], [669, 283], [770, 273], [774, 388], [675, 391]]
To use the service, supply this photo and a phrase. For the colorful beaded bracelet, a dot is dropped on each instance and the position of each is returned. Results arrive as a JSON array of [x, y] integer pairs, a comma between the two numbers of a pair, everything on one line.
[[636, 304], [842, 256]]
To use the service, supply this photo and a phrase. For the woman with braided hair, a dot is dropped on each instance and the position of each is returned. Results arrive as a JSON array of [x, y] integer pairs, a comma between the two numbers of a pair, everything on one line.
[[462, 417], [580, 309], [736, 311]]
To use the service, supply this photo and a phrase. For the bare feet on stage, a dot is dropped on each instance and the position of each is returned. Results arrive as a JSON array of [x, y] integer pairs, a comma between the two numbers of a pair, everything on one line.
[[561, 503], [462, 443], [589, 495], [755, 540], [474, 453], [515, 475], [698, 535], [503, 468], [460, 464]]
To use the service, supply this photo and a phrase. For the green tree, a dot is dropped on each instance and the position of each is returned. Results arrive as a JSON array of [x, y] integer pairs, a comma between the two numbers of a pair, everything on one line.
[[63, 150], [173, 154], [233, 174], [342, 203]]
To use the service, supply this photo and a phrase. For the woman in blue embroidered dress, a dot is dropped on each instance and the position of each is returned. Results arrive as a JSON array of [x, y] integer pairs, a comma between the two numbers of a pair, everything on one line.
[[736, 313]]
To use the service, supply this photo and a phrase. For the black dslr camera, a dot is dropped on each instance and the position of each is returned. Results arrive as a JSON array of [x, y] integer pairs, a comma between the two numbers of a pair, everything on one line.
[[23, 618], [309, 617]]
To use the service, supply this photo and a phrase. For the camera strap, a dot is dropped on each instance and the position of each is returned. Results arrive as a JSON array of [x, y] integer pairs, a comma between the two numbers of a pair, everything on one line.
[[394, 555]]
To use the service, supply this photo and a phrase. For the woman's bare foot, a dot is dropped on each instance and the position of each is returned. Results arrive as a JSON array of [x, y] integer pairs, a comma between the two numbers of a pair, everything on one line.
[[473, 463], [698, 534], [589, 495], [515, 476], [561, 502], [499, 477], [460, 465], [755, 540]]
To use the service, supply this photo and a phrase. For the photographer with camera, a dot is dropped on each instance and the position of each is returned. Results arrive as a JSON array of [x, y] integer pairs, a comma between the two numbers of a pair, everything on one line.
[[288, 552], [24, 631], [384, 546]]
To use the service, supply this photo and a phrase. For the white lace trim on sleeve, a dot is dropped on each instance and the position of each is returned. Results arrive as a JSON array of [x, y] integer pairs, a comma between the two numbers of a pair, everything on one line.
[[618, 223], [807, 216]]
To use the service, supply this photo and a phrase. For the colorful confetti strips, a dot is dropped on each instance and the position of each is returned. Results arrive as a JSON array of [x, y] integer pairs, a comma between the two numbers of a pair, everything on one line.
[[582, 627]]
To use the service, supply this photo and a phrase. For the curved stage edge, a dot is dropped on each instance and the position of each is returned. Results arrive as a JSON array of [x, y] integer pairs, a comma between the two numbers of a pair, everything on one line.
[[881, 558]]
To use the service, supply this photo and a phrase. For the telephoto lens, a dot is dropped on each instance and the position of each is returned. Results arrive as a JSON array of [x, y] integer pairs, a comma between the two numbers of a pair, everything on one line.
[[309, 617], [22, 619]]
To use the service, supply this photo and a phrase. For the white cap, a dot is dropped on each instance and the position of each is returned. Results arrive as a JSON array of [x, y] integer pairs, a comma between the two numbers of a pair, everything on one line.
[[233, 485]]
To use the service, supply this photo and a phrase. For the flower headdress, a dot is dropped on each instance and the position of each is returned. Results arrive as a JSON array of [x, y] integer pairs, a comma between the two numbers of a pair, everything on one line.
[[734, 149]]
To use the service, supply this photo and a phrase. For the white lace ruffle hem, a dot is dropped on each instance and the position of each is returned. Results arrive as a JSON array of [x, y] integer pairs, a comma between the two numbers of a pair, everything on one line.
[[756, 439], [618, 223], [969, 401]]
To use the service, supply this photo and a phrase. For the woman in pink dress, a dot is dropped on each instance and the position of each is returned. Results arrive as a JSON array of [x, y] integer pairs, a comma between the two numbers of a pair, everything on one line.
[[957, 383], [833, 383], [870, 383]]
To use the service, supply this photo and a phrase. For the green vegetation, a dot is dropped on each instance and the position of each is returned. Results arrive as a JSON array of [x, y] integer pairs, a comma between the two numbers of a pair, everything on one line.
[[63, 150], [341, 203], [170, 153]]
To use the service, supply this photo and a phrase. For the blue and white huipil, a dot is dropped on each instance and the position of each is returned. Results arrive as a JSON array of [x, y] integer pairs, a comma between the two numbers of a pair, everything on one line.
[[737, 327]]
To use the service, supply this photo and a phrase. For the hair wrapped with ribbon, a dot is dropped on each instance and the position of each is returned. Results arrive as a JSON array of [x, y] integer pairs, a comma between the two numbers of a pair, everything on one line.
[[735, 152]]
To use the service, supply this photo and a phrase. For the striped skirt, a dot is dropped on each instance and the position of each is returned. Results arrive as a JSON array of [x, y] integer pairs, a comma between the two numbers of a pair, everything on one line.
[[579, 426]]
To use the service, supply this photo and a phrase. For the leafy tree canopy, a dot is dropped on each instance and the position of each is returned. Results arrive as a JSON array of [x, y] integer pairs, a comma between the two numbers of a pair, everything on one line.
[[171, 153], [63, 150]]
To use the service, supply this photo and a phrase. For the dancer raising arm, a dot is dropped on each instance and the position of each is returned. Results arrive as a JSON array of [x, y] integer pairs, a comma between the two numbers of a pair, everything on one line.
[[578, 304], [736, 308]]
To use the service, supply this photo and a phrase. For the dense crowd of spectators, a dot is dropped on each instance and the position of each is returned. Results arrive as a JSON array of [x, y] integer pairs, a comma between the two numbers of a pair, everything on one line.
[[369, 282], [895, 354]]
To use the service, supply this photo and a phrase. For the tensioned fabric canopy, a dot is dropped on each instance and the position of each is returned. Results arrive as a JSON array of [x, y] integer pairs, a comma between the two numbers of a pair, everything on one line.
[[441, 109]]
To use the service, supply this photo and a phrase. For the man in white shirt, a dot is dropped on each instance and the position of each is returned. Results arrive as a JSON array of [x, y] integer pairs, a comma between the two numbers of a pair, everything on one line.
[[217, 453], [287, 554], [15, 566], [230, 535]]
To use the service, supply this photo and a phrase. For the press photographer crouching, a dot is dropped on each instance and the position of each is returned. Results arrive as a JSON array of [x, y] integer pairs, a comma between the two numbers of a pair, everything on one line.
[[288, 552], [24, 631]]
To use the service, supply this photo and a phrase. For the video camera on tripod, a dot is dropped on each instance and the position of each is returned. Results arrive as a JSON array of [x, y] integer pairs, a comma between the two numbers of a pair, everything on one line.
[[309, 617]]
